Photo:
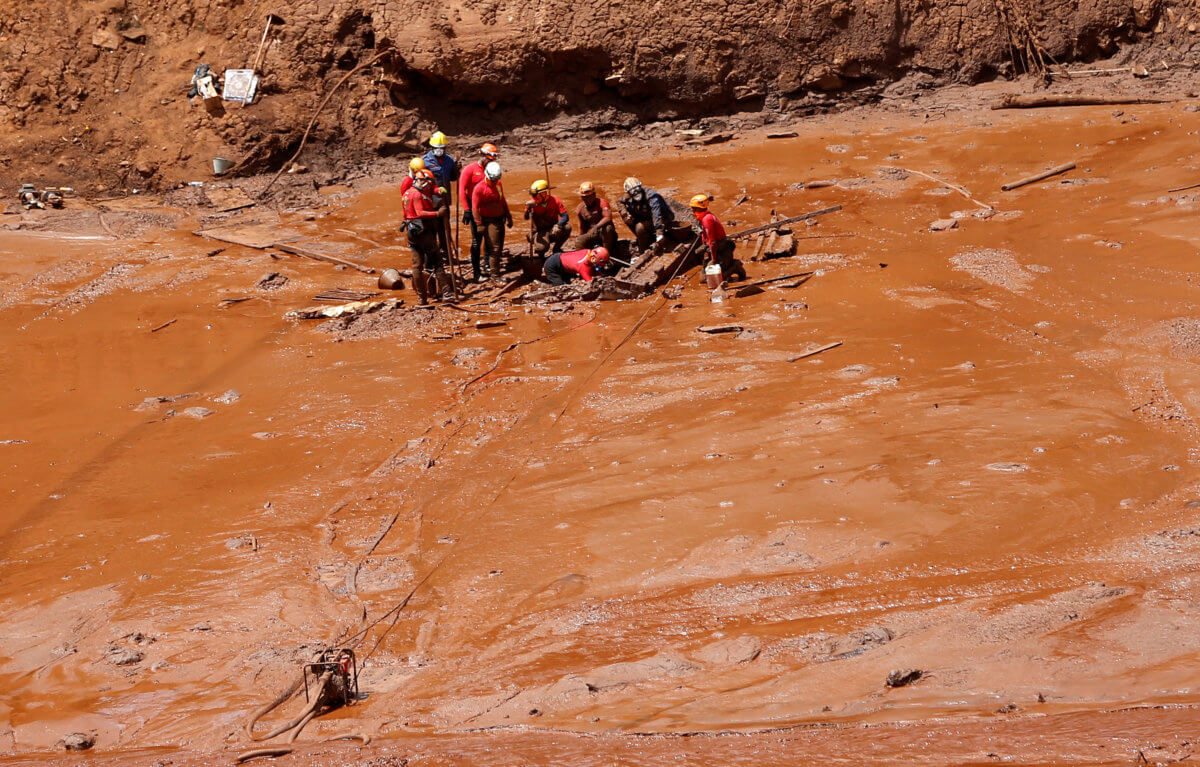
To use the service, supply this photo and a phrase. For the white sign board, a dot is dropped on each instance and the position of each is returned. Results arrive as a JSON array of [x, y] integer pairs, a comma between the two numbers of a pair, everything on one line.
[[240, 85]]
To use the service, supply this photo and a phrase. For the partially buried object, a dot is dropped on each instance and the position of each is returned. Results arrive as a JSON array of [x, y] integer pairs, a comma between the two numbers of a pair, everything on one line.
[[391, 280]]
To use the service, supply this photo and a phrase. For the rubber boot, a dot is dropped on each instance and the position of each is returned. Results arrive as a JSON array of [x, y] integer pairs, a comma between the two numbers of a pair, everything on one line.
[[421, 285], [442, 279]]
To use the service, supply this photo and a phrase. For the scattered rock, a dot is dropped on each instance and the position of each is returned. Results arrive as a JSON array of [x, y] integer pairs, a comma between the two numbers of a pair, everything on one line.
[[942, 224], [107, 39], [124, 656], [197, 412], [229, 397], [1009, 708], [152, 402], [463, 356], [903, 677], [730, 652], [271, 281], [263, 434], [78, 741]]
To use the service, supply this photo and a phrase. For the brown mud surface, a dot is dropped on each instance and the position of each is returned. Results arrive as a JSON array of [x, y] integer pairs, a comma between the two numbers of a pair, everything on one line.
[[634, 549]]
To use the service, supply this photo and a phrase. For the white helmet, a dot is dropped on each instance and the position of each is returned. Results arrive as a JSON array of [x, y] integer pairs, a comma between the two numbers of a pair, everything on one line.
[[632, 184], [492, 171]]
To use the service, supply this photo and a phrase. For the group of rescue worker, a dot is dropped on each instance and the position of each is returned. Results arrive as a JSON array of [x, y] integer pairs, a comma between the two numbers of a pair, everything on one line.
[[427, 199]]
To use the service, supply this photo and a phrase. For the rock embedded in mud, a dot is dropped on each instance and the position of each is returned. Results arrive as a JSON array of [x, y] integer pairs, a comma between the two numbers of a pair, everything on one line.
[[229, 397], [78, 741], [943, 224], [903, 677], [124, 656], [197, 412], [271, 281]]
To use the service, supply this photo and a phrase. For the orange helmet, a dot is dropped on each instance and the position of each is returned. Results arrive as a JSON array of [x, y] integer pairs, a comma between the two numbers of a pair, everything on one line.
[[423, 179], [598, 256], [489, 150], [586, 189]]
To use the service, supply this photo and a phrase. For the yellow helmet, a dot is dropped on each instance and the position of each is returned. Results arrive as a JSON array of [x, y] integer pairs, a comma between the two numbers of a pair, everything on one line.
[[438, 139], [539, 186], [700, 202], [586, 188], [416, 164]]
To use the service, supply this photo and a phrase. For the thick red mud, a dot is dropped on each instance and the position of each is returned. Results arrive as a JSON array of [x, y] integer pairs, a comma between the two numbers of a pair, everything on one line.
[[992, 480]]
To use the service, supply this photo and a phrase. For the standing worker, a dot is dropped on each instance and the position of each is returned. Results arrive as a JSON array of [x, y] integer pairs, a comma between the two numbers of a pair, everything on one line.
[[445, 169], [646, 214], [716, 248], [550, 226], [595, 220], [422, 220], [472, 176], [489, 211], [561, 268], [415, 166]]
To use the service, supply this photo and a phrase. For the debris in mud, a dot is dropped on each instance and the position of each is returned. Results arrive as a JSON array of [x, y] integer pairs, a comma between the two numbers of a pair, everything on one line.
[[1058, 169], [271, 281], [352, 309], [124, 656], [163, 326], [77, 741], [341, 295], [816, 350], [151, 402], [1007, 467], [730, 652], [197, 412], [229, 397], [903, 678], [713, 329], [786, 134], [943, 224], [1008, 708], [485, 324]]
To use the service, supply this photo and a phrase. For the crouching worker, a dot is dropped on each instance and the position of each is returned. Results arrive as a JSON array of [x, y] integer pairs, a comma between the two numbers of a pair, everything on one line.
[[715, 247], [550, 226], [595, 219], [561, 268], [422, 222]]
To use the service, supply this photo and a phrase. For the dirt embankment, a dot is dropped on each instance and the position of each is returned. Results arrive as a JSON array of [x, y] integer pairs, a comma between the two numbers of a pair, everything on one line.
[[93, 93]]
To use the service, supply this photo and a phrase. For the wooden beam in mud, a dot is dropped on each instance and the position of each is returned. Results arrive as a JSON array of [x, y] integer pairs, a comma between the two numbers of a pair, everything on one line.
[[295, 251], [1066, 166], [783, 222], [1033, 101]]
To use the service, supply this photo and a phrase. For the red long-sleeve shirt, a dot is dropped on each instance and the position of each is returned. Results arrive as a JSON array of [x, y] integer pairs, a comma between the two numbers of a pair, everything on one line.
[[714, 232], [471, 176], [487, 200], [576, 261], [593, 216], [417, 204], [547, 214], [406, 183]]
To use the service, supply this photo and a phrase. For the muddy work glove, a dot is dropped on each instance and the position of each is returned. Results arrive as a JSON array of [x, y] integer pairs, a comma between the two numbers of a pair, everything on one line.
[[467, 217], [508, 220]]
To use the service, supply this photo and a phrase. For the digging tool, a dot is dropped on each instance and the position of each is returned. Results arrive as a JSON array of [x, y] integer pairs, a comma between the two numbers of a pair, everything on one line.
[[271, 19]]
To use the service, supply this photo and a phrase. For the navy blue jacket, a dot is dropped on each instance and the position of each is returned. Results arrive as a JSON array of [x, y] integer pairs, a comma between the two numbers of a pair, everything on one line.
[[444, 168]]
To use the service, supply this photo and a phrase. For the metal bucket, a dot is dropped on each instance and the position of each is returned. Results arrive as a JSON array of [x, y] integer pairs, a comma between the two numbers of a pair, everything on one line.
[[391, 280], [220, 165]]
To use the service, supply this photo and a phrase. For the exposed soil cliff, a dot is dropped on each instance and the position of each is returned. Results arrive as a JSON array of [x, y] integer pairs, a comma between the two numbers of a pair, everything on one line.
[[92, 93]]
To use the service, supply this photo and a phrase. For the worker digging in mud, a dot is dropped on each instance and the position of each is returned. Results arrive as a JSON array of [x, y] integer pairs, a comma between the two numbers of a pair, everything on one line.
[[647, 215], [595, 220], [422, 221], [715, 247], [489, 210], [586, 264], [549, 226], [472, 176]]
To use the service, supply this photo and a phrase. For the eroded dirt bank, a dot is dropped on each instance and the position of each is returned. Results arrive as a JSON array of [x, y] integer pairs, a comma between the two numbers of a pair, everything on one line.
[[93, 93], [992, 480]]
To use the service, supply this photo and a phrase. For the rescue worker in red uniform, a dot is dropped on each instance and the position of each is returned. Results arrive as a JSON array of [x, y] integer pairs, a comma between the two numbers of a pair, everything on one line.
[[415, 165], [489, 210], [471, 177], [550, 225], [586, 264], [422, 221], [595, 220], [715, 247]]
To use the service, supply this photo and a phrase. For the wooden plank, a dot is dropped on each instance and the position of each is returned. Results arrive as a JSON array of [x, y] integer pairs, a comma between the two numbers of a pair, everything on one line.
[[810, 352], [306, 253], [1039, 176]]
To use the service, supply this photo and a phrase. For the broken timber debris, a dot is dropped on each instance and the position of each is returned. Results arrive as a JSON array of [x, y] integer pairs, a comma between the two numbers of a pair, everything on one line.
[[306, 253], [343, 310], [783, 222], [811, 352], [1038, 176], [341, 295], [713, 329], [1023, 101]]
